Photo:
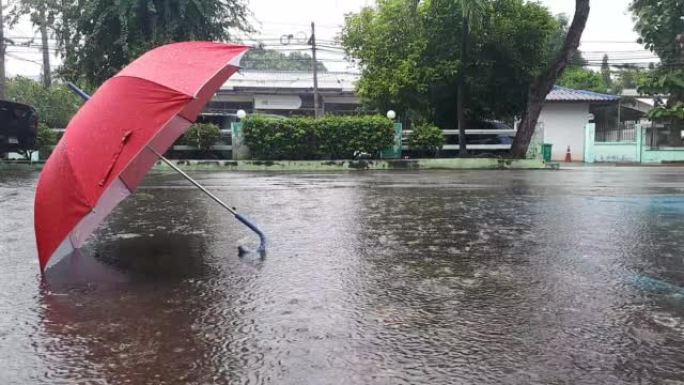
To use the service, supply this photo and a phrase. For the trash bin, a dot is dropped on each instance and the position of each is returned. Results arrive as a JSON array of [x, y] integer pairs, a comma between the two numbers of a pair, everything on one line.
[[546, 151]]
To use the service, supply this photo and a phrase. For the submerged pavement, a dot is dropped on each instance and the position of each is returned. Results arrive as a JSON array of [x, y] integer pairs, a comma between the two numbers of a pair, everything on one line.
[[471, 277]]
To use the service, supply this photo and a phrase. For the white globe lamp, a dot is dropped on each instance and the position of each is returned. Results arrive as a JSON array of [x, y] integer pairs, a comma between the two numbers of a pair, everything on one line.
[[241, 114], [391, 115]]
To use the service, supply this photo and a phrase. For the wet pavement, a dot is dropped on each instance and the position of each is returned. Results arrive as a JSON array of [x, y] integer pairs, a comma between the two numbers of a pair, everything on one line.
[[516, 277]]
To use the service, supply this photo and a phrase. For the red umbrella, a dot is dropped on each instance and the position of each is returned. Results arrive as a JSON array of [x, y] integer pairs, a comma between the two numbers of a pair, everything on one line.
[[115, 138]]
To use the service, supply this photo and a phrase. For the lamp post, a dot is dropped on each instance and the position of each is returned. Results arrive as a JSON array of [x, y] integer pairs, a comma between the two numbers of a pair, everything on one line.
[[391, 115]]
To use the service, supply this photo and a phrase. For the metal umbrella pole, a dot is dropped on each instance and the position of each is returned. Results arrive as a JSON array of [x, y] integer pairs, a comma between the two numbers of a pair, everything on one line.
[[232, 210], [245, 221]]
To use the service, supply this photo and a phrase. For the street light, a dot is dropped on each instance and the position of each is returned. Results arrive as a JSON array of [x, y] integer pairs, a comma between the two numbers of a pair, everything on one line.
[[391, 115], [241, 114]]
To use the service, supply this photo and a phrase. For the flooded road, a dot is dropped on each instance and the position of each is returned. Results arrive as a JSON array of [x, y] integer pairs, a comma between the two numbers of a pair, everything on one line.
[[516, 277]]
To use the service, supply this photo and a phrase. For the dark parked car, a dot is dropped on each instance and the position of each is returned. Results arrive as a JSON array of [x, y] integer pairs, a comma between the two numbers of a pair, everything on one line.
[[502, 141], [18, 126], [489, 139]]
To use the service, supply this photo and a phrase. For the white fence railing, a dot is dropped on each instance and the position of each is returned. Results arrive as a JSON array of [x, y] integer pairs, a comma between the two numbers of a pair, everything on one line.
[[471, 146], [405, 134], [181, 147]]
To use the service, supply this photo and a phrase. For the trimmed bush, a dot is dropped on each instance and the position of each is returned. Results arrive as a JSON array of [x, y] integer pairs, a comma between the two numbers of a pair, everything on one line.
[[202, 136], [45, 140], [331, 137], [426, 139]]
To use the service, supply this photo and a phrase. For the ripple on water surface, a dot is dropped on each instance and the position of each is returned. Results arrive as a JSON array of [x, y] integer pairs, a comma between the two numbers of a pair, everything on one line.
[[371, 278]]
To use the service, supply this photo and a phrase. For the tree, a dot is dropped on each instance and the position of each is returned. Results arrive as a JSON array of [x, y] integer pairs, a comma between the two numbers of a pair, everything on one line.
[[109, 35], [55, 105], [3, 49], [580, 78], [270, 60], [388, 44], [605, 73], [411, 58], [660, 25], [543, 84], [630, 76], [471, 12]]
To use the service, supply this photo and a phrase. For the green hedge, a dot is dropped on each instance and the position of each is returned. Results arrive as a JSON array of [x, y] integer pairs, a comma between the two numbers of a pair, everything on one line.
[[331, 137], [426, 140], [201, 135]]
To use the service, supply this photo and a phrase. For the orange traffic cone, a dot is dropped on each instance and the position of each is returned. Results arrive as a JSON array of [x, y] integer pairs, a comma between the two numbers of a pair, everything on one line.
[[568, 155]]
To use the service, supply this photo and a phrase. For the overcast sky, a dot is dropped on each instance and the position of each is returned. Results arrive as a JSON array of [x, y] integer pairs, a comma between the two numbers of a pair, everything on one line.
[[609, 29]]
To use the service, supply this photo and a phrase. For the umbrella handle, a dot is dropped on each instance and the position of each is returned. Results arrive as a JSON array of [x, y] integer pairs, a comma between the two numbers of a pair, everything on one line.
[[78, 91]]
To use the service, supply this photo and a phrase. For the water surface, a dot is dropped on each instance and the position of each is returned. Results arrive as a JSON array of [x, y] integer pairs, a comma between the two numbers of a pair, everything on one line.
[[518, 277]]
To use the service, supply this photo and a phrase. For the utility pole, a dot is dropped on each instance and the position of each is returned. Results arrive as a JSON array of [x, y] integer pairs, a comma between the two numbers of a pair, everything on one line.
[[47, 78], [2, 53], [314, 63]]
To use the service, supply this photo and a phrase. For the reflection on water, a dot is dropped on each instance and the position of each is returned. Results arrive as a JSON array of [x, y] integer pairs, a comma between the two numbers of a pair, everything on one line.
[[371, 278]]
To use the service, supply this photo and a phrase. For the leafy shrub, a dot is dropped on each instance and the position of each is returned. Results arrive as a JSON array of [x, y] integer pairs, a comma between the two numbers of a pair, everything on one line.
[[55, 105], [426, 139], [331, 137], [271, 138], [202, 136], [45, 139]]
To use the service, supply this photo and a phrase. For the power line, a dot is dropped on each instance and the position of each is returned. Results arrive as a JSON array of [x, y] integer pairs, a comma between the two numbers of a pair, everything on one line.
[[23, 59]]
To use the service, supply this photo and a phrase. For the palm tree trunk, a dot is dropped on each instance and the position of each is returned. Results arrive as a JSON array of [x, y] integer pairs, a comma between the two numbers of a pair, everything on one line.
[[2, 54], [545, 82], [47, 78], [460, 93]]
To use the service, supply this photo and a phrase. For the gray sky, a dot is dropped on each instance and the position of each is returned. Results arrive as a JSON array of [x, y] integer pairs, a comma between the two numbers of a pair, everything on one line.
[[609, 29]]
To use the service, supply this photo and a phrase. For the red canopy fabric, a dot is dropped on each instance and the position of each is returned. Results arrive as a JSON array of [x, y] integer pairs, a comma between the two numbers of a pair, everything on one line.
[[104, 153]]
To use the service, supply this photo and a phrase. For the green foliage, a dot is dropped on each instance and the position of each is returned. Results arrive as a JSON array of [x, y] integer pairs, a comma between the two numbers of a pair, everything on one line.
[[409, 53], [105, 35], [669, 82], [270, 60], [631, 77], [605, 73], [389, 44], [55, 105], [202, 136], [45, 139], [583, 79], [667, 113], [332, 137], [426, 139], [660, 23]]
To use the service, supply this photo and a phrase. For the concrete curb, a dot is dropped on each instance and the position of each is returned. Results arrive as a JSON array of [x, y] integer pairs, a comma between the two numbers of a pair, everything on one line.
[[355, 165], [337, 165]]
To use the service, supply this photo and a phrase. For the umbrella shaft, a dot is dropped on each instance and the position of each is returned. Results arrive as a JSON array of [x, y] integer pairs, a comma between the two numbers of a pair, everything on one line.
[[194, 182]]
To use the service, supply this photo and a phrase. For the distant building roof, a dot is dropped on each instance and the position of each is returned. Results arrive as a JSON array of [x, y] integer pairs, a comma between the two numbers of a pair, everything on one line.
[[346, 81], [633, 92], [563, 94], [339, 81]]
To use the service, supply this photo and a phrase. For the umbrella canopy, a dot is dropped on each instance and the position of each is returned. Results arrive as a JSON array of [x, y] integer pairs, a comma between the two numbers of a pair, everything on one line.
[[110, 144]]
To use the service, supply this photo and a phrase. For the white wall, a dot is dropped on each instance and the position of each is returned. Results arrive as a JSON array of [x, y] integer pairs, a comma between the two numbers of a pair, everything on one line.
[[564, 124]]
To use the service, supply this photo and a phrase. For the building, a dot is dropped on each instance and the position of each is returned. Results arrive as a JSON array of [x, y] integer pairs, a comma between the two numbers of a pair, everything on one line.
[[284, 93], [565, 116]]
